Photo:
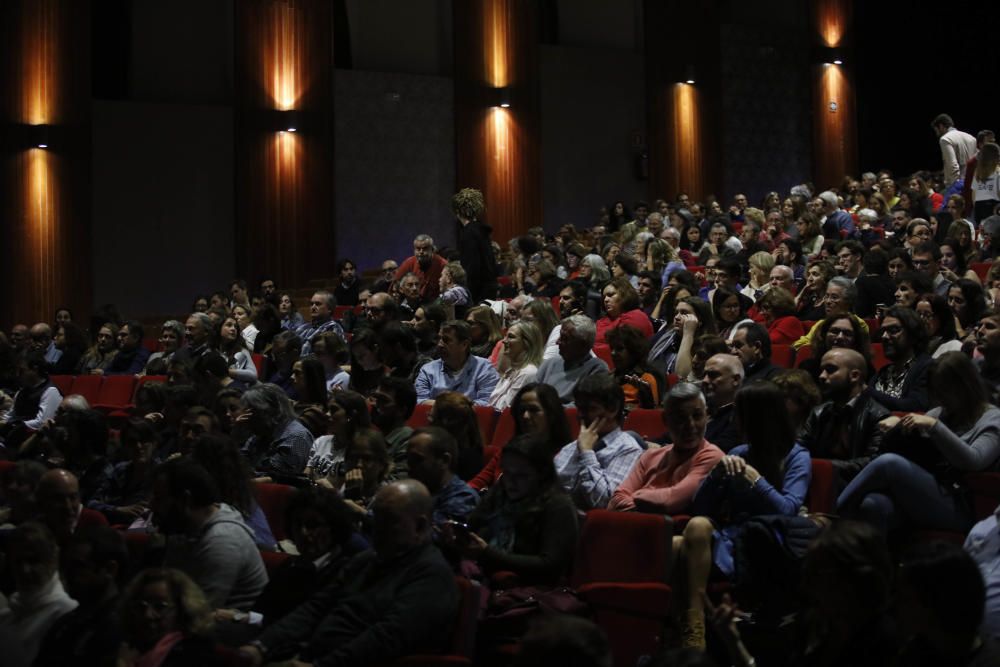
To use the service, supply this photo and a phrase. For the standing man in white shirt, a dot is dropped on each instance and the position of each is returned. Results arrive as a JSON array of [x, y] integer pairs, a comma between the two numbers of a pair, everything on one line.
[[956, 147]]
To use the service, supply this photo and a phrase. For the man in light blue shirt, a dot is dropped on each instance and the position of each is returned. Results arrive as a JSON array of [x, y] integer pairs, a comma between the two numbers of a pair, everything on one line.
[[456, 369], [592, 467]]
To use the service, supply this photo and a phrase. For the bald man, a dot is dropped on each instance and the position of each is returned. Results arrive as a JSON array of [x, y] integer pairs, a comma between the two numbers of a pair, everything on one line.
[[41, 340], [723, 377], [58, 497], [390, 602], [845, 427]]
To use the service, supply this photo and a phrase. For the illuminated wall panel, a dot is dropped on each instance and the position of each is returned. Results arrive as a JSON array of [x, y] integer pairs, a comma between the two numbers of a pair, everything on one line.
[[835, 132], [44, 213], [284, 180], [498, 149], [683, 119]]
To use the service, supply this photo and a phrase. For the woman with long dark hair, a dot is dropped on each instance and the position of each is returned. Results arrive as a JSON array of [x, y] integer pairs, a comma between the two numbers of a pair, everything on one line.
[[933, 311], [234, 347], [768, 475], [536, 409], [643, 385], [729, 310], [967, 301], [526, 524]]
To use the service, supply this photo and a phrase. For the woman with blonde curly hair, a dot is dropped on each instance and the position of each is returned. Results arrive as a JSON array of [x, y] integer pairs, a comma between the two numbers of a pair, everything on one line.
[[166, 621]]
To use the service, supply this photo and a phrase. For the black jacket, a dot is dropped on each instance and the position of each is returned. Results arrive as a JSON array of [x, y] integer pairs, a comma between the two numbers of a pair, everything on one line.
[[914, 394], [820, 435], [376, 612], [476, 255], [722, 430]]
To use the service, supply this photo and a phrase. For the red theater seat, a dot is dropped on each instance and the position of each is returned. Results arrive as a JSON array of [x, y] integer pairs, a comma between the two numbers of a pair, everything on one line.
[[62, 382], [621, 572], [504, 430], [822, 495], [647, 423], [782, 355], [421, 415], [487, 419], [115, 393], [273, 499], [879, 360], [88, 386]]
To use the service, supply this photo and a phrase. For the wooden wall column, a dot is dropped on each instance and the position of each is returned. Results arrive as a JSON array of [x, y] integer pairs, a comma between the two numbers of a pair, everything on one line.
[[835, 128], [684, 120], [45, 207], [284, 178], [498, 149]]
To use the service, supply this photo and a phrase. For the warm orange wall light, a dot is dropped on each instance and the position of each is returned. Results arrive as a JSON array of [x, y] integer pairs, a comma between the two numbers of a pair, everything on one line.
[[41, 209], [282, 55], [40, 57], [686, 135], [831, 18], [496, 45]]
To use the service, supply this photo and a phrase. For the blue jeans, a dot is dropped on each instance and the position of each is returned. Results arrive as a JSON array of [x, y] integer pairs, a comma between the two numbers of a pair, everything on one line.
[[892, 492]]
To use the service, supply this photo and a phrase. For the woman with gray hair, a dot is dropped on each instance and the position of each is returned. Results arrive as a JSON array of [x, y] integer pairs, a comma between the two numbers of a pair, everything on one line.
[[171, 339], [279, 444]]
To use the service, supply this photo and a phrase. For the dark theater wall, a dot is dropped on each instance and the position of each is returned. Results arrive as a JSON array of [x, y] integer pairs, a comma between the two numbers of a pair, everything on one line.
[[162, 204]]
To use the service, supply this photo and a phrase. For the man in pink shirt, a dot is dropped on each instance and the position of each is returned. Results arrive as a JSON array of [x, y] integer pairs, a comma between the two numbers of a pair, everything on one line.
[[664, 480]]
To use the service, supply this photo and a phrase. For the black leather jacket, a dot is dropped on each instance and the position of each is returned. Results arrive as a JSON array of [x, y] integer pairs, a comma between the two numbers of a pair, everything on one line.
[[819, 435]]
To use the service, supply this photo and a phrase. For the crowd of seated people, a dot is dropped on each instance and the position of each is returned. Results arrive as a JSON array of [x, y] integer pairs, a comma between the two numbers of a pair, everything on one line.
[[855, 325]]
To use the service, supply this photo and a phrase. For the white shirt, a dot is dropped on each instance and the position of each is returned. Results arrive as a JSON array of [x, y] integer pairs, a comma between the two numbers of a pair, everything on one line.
[[508, 386]]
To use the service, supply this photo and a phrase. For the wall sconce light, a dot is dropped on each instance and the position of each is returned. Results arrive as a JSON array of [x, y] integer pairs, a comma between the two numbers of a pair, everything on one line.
[[500, 98], [689, 76], [290, 121], [829, 55], [38, 136]]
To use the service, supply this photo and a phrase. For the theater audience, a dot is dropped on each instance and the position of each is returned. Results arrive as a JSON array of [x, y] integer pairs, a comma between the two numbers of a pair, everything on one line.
[[94, 565], [916, 482], [621, 307], [221, 457], [320, 526], [518, 363], [124, 495], [102, 353], [171, 339], [278, 444], [456, 414], [575, 361], [206, 539], [456, 369], [591, 467], [722, 379], [61, 509], [769, 474], [38, 600], [431, 457], [391, 601], [526, 524], [643, 385], [132, 356], [845, 428], [751, 342], [777, 308], [346, 412], [902, 384], [664, 480], [166, 620]]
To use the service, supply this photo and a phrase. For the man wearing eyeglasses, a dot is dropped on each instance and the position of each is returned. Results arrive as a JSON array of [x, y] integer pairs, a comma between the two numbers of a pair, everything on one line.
[[927, 259]]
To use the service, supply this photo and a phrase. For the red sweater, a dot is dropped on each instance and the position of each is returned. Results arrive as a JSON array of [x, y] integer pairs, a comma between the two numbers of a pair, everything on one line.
[[633, 318], [664, 481], [429, 287], [786, 330]]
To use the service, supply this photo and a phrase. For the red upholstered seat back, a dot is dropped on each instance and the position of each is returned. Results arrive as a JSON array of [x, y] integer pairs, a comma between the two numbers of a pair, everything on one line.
[[623, 547]]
